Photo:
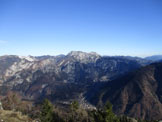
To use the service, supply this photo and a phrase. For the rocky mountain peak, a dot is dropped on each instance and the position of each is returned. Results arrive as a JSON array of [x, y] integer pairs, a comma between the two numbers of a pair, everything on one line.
[[83, 56], [28, 58]]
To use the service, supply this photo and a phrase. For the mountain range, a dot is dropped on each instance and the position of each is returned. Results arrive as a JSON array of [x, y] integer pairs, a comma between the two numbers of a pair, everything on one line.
[[131, 84]]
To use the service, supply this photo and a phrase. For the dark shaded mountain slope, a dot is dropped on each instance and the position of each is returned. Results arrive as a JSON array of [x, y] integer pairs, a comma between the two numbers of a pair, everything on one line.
[[137, 94]]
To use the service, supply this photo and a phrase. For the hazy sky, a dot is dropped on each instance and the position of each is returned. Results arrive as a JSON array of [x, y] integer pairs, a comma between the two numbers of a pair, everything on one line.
[[108, 27]]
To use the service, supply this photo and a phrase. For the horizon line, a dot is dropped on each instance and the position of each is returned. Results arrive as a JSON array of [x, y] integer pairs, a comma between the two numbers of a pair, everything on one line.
[[140, 56]]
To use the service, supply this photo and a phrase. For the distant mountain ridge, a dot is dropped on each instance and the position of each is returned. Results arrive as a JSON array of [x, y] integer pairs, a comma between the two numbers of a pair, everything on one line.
[[12, 65], [154, 58]]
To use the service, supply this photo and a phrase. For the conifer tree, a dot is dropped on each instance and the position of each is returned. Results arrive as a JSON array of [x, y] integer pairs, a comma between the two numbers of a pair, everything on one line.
[[46, 111], [106, 115]]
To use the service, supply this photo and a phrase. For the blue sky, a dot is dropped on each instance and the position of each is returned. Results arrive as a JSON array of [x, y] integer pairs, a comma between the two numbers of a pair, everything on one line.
[[108, 27]]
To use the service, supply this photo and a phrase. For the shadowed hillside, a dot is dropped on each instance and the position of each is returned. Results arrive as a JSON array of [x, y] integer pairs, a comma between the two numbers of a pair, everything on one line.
[[137, 94]]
